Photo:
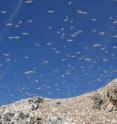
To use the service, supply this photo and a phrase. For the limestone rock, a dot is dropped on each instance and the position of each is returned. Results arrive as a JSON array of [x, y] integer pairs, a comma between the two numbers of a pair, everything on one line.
[[97, 101], [76, 110]]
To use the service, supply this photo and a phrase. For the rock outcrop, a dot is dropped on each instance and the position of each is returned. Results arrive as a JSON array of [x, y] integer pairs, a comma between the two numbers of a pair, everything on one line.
[[98, 107], [106, 98]]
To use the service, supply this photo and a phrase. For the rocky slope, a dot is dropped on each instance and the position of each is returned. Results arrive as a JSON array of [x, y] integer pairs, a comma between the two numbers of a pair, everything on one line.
[[99, 107]]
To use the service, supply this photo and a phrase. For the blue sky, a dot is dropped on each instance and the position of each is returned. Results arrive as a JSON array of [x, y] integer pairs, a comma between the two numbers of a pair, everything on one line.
[[56, 48]]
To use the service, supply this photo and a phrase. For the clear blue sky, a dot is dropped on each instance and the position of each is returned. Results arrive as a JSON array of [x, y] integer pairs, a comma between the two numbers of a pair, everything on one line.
[[56, 48]]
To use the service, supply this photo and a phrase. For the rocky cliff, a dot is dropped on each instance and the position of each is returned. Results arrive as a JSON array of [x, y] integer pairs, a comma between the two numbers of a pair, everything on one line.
[[98, 107]]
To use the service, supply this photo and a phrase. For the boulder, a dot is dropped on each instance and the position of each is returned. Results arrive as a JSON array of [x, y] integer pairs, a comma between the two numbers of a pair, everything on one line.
[[97, 101]]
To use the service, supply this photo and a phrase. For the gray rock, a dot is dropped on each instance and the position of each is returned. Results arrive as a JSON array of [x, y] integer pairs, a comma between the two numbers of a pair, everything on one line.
[[58, 119], [33, 106], [35, 120], [97, 99], [112, 94], [34, 103], [36, 100], [6, 117], [109, 108], [19, 117]]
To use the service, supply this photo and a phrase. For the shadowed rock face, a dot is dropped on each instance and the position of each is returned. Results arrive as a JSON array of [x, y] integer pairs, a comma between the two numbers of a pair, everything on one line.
[[108, 97], [98, 107], [97, 101], [112, 95]]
